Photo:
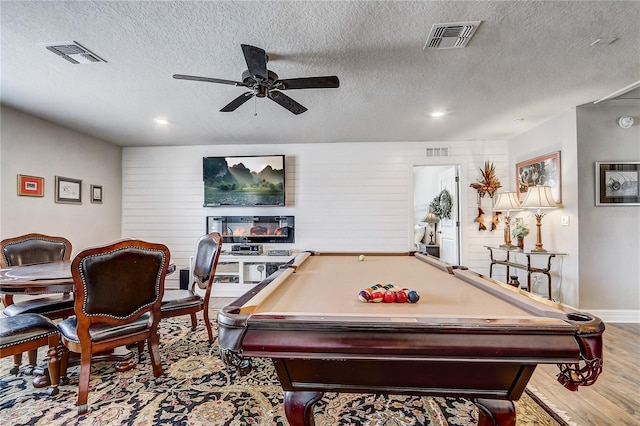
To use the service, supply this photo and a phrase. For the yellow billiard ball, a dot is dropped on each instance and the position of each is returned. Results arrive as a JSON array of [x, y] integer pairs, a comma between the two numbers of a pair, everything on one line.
[[361, 257]]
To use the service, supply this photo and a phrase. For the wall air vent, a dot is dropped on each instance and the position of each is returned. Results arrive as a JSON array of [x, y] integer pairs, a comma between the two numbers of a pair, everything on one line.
[[74, 52], [437, 152], [451, 36]]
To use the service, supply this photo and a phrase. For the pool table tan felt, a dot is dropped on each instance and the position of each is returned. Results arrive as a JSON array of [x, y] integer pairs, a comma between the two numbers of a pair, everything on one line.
[[467, 336]]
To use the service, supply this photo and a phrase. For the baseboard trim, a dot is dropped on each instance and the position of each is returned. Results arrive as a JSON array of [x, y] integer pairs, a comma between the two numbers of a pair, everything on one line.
[[616, 315]]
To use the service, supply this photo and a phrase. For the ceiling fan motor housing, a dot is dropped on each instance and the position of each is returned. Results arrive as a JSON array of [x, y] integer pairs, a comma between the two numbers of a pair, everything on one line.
[[266, 87]]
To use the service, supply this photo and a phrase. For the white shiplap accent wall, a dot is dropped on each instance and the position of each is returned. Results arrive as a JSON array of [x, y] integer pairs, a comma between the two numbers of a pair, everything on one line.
[[344, 196]]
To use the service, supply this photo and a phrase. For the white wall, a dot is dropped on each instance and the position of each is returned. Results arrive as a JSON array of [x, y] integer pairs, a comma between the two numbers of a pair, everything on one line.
[[556, 134], [344, 196], [37, 147], [609, 235]]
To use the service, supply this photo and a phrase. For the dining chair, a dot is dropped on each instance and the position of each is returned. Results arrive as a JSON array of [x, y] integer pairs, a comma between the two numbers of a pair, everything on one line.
[[196, 298], [32, 249], [118, 291], [28, 332]]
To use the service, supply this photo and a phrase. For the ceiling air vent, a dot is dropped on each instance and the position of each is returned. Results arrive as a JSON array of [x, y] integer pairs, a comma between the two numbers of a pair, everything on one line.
[[74, 52], [452, 35]]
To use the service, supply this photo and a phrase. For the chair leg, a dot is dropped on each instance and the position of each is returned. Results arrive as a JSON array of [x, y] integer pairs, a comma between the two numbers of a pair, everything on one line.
[[64, 363], [83, 382], [17, 361], [207, 323], [140, 350], [154, 353], [194, 321], [53, 361], [33, 358]]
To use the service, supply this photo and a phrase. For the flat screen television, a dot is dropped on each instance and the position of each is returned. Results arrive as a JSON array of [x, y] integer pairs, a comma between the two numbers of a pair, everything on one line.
[[244, 181]]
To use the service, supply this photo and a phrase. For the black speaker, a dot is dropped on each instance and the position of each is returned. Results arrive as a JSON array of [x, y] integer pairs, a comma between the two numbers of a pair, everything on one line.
[[184, 279]]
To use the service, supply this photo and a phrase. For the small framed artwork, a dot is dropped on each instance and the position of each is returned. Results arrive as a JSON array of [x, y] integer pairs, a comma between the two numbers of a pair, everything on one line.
[[617, 183], [96, 194], [68, 191], [544, 170], [30, 186]]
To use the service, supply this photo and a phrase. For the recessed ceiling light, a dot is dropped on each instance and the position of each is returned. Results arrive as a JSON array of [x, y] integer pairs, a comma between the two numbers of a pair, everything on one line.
[[162, 121], [518, 120], [437, 113]]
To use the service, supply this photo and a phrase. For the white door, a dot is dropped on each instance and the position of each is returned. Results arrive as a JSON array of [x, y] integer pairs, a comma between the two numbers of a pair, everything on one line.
[[450, 228]]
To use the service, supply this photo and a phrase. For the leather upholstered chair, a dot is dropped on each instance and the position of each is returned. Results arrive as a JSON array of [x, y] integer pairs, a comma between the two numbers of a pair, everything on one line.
[[28, 332], [189, 302], [32, 249], [118, 291]]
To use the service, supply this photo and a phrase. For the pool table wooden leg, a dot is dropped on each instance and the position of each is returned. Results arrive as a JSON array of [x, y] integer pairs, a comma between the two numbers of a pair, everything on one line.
[[298, 406], [495, 412]]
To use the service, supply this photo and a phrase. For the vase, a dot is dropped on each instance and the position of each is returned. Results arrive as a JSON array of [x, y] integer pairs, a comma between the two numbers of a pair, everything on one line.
[[520, 243]]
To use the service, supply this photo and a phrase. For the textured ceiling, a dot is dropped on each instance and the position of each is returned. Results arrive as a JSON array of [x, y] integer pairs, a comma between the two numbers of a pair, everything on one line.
[[529, 60]]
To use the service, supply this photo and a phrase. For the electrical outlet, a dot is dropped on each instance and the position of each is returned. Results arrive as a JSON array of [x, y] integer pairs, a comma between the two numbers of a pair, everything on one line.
[[564, 220]]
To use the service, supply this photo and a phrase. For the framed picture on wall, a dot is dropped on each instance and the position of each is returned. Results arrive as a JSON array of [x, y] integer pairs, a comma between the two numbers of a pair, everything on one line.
[[617, 183], [544, 170], [96, 194], [30, 186], [68, 190]]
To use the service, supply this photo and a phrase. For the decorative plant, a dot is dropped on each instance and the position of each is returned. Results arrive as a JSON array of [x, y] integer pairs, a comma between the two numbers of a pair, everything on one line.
[[489, 183], [520, 228], [441, 205]]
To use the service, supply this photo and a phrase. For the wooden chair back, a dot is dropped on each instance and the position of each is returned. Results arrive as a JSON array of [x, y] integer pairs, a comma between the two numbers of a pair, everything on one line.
[[205, 260], [117, 283], [32, 249]]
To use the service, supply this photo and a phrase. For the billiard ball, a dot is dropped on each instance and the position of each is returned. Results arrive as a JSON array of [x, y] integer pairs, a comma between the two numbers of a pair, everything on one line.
[[361, 257], [401, 297], [413, 296], [364, 296], [376, 296], [389, 296]]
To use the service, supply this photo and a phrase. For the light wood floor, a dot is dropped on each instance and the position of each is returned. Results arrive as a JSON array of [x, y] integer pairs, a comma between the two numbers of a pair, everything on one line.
[[614, 400]]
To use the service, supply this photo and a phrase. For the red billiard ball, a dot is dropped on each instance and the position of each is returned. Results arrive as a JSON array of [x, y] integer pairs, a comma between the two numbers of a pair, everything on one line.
[[389, 297], [401, 297], [376, 296]]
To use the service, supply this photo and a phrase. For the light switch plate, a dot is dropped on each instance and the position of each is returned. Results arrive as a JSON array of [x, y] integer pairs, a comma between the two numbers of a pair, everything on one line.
[[564, 220]]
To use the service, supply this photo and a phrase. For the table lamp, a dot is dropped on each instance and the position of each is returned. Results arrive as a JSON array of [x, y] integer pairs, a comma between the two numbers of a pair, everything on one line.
[[507, 202], [431, 219], [539, 197]]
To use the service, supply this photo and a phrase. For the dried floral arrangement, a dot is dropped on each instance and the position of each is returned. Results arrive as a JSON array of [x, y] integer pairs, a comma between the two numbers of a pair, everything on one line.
[[489, 183]]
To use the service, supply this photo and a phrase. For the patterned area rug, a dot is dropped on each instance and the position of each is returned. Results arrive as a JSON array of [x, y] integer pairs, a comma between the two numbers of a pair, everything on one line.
[[198, 390]]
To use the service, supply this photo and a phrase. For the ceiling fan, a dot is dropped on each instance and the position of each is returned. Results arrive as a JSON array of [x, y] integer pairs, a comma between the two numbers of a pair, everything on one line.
[[265, 83]]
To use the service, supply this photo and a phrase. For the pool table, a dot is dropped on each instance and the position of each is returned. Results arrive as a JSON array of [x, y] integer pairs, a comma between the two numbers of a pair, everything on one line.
[[468, 336]]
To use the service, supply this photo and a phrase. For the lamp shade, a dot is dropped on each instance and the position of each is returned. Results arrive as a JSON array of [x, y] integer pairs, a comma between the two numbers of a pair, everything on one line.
[[539, 197], [506, 201], [430, 218]]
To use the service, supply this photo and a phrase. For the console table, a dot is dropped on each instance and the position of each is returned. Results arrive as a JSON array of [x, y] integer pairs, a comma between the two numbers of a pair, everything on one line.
[[511, 263]]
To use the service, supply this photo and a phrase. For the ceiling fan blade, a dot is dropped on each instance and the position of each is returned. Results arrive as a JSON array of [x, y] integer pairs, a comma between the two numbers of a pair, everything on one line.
[[256, 61], [234, 104], [207, 79], [287, 102], [328, 82]]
